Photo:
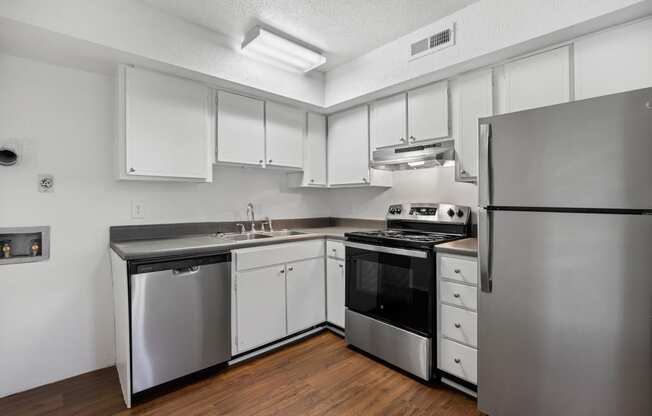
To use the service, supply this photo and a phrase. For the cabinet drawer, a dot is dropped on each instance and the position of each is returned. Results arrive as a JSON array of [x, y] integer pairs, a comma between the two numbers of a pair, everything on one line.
[[459, 360], [458, 268], [254, 257], [459, 295], [335, 249], [459, 324]]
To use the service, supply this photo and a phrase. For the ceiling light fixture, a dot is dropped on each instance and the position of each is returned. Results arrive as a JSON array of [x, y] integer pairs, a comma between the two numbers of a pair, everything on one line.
[[270, 47]]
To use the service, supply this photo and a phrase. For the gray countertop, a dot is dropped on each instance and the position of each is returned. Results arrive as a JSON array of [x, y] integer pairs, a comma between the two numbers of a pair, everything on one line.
[[465, 247], [207, 244]]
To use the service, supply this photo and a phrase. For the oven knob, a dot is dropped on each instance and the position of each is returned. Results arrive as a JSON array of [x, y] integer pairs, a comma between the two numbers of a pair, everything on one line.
[[450, 212], [460, 213]]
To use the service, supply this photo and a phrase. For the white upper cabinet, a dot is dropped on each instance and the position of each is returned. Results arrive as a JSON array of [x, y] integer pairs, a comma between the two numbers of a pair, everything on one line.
[[348, 151], [388, 121], [538, 81], [314, 153], [348, 147], [613, 61], [315, 163], [473, 93], [284, 133], [165, 124], [428, 112], [240, 129]]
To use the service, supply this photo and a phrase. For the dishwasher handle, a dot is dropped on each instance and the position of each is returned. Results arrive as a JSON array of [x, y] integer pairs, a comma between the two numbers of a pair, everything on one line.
[[186, 271], [178, 267]]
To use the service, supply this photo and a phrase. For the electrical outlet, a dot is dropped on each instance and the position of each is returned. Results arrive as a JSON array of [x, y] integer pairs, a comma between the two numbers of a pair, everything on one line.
[[137, 209]]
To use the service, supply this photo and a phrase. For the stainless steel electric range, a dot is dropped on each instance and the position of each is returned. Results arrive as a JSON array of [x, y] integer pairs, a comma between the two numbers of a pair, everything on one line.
[[390, 283]]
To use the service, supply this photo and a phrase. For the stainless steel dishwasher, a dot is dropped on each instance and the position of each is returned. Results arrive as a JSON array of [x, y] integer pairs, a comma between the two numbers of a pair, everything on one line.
[[180, 318]]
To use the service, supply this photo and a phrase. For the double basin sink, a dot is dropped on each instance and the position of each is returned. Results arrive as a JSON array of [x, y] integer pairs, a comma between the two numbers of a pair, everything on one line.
[[258, 235]]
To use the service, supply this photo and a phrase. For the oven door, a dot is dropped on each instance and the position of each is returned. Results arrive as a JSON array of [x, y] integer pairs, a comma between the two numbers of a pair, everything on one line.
[[393, 285]]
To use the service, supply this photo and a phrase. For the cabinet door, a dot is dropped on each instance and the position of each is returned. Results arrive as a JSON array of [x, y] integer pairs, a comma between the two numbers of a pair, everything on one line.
[[538, 80], [284, 133], [260, 297], [315, 163], [428, 112], [166, 125], [348, 147], [388, 121], [240, 129], [613, 61], [335, 291], [306, 295], [474, 101]]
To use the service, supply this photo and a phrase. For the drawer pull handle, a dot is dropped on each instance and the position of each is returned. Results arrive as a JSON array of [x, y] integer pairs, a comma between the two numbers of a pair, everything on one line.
[[458, 325], [291, 268], [457, 361], [456, 295], [334, 250], [457, 271], [282, 271]]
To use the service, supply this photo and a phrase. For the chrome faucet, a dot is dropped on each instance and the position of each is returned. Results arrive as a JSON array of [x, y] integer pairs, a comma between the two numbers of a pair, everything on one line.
[[250, 211]]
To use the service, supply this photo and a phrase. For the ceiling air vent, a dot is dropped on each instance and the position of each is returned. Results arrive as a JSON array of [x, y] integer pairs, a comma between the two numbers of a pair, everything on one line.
[[433, 43]]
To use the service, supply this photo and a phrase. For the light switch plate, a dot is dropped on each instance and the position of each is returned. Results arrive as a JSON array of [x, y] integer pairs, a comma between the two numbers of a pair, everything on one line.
[[137, 209]]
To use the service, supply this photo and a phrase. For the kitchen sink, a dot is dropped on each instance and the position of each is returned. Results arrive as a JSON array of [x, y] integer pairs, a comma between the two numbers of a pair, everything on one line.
[[247, 236], [282, 233]]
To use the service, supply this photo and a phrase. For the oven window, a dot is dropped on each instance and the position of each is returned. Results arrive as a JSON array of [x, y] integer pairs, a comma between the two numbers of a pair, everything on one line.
[[393, 288]]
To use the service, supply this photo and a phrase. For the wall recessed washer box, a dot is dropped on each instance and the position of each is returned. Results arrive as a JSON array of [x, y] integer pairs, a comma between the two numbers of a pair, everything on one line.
[[25, 244]]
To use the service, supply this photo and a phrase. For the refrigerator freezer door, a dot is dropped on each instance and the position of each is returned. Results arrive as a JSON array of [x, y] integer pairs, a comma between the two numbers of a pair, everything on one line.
[[594, 153], [567, 328]]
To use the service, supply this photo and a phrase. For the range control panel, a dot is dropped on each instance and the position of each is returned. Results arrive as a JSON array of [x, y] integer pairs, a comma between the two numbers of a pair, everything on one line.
[[430, 212]]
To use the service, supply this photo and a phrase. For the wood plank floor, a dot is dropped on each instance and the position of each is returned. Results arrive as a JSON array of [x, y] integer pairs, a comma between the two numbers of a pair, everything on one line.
[[318, 376]]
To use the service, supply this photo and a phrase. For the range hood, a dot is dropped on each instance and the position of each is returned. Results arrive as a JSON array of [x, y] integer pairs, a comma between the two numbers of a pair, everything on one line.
[[415, 156]]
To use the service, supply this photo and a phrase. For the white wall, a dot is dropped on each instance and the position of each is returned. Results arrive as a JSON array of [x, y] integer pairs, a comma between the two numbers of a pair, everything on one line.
[[56, 317], [422, 185], [486, 32], [144, 32]]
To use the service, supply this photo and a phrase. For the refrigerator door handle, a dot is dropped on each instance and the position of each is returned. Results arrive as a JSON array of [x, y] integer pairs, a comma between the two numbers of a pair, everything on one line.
[[486, 280], [484, 178]]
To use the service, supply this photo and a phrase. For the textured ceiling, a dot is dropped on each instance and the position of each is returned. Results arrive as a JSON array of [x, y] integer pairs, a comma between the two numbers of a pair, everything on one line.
[[342, 29]]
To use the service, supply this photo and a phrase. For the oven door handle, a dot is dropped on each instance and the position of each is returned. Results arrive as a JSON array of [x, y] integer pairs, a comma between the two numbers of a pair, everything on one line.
[[388, 250]]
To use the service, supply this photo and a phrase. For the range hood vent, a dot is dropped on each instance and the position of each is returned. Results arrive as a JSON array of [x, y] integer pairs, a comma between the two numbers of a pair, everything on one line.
[[415, 156]]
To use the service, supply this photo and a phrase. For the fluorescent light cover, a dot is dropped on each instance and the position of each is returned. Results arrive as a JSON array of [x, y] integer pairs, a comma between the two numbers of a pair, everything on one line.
[[270, 47]]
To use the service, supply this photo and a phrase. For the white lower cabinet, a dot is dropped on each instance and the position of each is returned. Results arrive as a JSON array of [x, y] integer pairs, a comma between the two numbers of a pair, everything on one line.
[[335, 289], [305, 294], [278, 290], [261, 306], [457, 325], [459, 360]]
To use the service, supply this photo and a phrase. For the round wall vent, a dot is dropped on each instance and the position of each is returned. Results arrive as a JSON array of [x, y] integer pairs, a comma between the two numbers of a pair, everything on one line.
[[8, 156]]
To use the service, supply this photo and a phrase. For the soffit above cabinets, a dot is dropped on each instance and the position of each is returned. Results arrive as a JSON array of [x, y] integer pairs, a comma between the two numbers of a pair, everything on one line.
[[343, 29]]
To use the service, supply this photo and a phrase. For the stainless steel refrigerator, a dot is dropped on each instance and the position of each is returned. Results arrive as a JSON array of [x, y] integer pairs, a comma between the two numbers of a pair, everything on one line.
[[565, 230]]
